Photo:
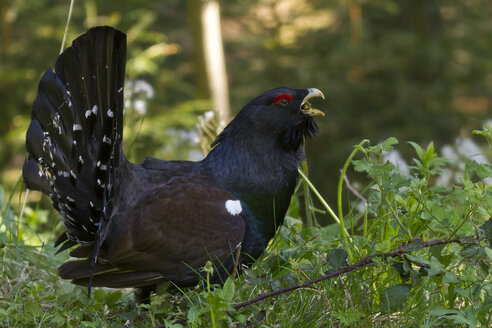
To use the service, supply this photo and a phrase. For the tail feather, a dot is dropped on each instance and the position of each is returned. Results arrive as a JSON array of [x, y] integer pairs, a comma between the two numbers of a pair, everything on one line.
[[34, 178], [74, 140], [63, 243], [122, 279], [105, 275]]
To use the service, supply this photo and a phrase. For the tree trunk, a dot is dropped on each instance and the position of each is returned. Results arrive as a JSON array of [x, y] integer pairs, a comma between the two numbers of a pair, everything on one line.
[[210, 69]]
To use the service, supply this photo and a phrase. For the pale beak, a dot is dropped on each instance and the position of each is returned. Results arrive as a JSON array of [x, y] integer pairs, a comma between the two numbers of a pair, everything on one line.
[[306, 106]]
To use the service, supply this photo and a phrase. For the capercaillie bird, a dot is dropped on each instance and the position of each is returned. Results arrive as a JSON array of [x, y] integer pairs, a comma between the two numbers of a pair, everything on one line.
[[137, 225]]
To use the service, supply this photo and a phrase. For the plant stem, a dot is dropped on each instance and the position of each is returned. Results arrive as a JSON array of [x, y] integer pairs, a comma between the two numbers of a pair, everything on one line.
[[305, 188], [345, 234], [325, 204], [340, 181], [66, 26], [366, 211], [212, 317]]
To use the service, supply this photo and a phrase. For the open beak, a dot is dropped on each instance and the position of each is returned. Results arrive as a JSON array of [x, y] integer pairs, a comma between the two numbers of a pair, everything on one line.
[[306, 106]]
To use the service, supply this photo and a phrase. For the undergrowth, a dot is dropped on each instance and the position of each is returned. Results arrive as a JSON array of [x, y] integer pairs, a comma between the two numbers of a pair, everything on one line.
[[448, 284]]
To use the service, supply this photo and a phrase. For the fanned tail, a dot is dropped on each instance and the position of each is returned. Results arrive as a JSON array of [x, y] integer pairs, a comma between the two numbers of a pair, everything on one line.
[[74, 139]]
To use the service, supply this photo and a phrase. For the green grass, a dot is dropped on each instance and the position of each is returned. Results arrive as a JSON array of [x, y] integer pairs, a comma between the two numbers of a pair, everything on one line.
[[439, 286]]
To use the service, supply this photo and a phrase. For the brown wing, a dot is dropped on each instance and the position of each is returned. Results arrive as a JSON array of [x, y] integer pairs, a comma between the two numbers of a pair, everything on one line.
[[168, 234]]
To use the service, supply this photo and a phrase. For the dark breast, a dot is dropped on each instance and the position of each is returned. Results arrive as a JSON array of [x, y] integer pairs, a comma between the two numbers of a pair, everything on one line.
[[263, 214]]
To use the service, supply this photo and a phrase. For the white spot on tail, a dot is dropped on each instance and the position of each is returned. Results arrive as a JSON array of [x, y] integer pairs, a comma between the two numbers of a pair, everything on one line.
[[70, 218], [101, 166], [233, 207], [94, 109], [106, 140], [77, 127], [110, 113], [87, 113]]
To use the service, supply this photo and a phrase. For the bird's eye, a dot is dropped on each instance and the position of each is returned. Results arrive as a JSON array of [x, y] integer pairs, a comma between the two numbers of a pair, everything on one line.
[[282, 100]]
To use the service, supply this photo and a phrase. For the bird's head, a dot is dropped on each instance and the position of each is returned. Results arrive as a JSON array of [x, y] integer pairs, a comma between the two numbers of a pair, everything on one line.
[[281, 114]]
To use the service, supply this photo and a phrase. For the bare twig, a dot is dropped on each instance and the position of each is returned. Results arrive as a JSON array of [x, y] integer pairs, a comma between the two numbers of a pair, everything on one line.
[[353, 190], [402, 249], [236, 262]]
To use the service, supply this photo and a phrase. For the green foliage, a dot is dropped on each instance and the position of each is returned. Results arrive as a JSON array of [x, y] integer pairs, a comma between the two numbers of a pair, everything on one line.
[[393, 298], [487, 133], [212, 302], [442, 285]]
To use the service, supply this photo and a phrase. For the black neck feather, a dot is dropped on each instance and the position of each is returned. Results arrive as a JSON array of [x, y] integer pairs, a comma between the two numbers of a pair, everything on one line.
[[253, 164]]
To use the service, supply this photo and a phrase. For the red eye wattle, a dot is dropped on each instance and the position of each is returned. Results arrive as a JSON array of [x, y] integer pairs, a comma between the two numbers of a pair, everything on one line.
[[282, 99]]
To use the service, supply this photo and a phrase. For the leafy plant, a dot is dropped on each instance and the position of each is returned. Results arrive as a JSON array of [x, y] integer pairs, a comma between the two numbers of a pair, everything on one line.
[[416, 254]]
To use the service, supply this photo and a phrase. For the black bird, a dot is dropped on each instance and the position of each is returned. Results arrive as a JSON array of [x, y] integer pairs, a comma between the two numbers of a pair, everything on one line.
[[137, 225]]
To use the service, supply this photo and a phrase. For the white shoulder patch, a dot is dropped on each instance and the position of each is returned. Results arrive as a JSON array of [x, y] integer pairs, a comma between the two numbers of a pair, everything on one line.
[[233, 207]]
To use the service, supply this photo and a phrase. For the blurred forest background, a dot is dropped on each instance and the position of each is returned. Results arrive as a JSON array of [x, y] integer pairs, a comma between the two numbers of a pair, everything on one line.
[[418, 70]]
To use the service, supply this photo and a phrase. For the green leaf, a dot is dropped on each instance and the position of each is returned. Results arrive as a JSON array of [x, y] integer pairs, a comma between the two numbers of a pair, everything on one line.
[[34, 309], [436, 251], [393, 297], [430, 150], [435, 267], [487, 229], [228, 290], [488, 252], [170, 324], [113, 297], [450, 278], [348, 317], [195, 312], [441, 311], [388, 144], [362, 165], [458, 317], [482, 170], [337, 258], [487, 133], [418, 149], [291, 222], [418, 260]]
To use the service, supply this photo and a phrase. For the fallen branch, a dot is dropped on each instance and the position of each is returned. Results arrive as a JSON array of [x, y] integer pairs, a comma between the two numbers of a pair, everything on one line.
[[402, 249]]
